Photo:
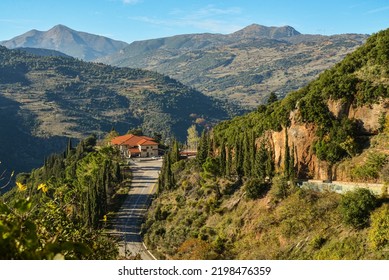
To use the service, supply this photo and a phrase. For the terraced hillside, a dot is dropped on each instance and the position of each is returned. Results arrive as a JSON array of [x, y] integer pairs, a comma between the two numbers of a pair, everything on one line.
[[244, 66]]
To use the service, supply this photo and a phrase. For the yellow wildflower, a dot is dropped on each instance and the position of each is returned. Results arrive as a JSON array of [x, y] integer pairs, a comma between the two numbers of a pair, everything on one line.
[[43, 187], [104, 218], [21, 187]]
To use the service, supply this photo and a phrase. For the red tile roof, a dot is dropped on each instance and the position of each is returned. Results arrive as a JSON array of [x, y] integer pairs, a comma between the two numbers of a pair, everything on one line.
[[134, 151], [133, 140]]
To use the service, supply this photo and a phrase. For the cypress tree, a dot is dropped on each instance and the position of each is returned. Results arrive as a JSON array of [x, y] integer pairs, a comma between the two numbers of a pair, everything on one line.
[[252, 152], [168, 177], [203, 149], [69, 148], [211, 143], [272, 98], [270, 164], [238, 158], [223, 159], [292, 171], [174, 152], [246, 155], [228, 162], [286, 156], [161, 179], [261, 160]]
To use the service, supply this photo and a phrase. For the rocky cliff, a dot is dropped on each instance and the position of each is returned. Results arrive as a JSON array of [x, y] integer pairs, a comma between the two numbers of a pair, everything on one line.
[[301, 137]]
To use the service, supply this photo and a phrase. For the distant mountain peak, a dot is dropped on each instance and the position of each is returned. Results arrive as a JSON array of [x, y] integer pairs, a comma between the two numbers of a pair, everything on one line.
[[66, 40], [60, 26], [272, 32]]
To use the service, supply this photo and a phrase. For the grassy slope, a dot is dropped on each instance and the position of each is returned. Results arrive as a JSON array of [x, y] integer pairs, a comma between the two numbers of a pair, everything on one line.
[[193, 222]]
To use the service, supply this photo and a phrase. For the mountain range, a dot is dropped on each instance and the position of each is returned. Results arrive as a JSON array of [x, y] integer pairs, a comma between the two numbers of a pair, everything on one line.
[[80, 45], [244, 66]]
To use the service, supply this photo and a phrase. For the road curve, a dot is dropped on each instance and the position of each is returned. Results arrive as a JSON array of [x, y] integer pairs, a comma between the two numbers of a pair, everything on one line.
[[128, 220]]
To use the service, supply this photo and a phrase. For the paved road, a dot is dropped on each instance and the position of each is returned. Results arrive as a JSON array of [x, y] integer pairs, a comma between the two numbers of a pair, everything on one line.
[[127, 222]]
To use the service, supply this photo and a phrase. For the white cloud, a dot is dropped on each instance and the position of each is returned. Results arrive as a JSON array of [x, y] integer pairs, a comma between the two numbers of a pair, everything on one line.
[[131, 2], [211, 11], [378, 10], [208, 19]]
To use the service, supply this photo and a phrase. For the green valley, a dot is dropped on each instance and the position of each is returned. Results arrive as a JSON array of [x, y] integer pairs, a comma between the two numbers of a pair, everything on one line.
[[48, 99]]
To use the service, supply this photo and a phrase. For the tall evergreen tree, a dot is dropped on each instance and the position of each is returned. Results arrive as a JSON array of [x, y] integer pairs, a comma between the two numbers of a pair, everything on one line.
[[272, 98], [69, 148], [211, 145], [270, 164], [246, 156], [228, 162], [261, 160], [168, 176], [174, 152], [252, 152], [223, 159], [238, 160], [292, 171], [202, 152], [286, 155]]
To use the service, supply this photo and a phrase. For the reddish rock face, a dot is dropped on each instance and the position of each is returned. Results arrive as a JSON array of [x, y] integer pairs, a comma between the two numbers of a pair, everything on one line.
[[301, 136]]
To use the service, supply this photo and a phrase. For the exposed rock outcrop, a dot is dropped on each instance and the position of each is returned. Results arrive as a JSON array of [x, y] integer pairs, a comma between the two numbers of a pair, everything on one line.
[[301, 136]]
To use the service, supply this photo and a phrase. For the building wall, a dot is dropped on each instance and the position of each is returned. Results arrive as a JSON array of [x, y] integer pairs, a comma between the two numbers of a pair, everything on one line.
[[149, 151]]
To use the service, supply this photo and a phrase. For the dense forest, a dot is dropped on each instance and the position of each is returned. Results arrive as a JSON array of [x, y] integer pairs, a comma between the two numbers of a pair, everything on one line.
[[237, 199], [58, 211]]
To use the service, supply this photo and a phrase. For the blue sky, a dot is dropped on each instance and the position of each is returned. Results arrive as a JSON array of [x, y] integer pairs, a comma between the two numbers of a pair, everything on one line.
[[131, 20]]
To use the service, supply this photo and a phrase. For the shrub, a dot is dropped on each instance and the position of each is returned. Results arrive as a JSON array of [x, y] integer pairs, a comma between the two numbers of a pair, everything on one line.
[[356, 206], [379, 232], [280, 188], [256, 188], [317, 242], [375, 163]]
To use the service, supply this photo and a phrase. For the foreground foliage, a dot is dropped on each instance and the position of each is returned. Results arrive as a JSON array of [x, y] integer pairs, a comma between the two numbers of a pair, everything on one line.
[[58, 210]]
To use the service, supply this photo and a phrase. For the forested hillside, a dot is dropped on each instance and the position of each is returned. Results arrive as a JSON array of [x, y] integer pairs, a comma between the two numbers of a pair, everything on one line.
[[45, 98], [240, 199]]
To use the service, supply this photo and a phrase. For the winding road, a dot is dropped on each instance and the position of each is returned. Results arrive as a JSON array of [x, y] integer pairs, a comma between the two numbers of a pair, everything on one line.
[[128, 220]]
